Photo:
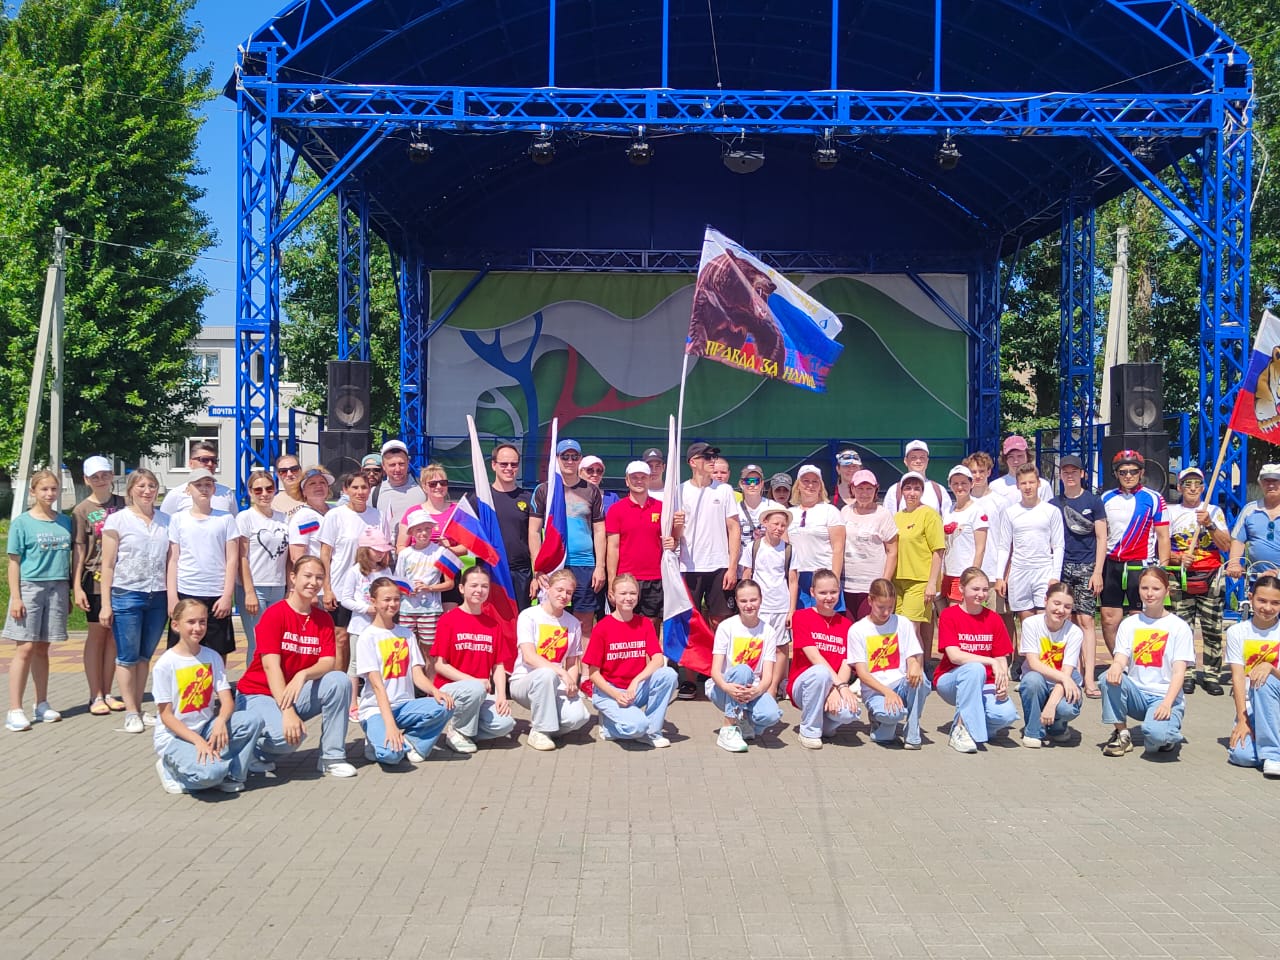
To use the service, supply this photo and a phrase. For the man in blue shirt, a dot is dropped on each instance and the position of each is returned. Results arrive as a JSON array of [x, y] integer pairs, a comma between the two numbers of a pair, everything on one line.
[[1084, 525], [1255, 536]]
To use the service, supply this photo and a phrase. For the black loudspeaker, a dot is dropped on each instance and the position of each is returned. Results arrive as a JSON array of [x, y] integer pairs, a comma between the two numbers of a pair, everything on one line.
[[1154, 448], [349, 406], [342, 450], [1137, 398]]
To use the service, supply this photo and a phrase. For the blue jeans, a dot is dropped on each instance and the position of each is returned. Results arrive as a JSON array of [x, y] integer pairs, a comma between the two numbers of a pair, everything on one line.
[[1264, 717], [647, 713], [181, 760], [137, 622], [1034, 690], [421, 721], [474, 715], [249, 621], [1125, 699], [913, 699], [763, 711], [329, 698], [966, 689], [809, 694]]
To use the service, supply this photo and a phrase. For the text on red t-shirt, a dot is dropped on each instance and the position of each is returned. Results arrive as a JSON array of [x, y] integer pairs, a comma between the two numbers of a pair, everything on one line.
[[983, 635], [300, 640], [829, 635], [621, 649]]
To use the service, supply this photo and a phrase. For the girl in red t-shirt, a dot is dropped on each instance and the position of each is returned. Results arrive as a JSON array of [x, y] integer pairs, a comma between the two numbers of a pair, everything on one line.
[[631, 685], [973, 672], [471, 662], [820, 668]]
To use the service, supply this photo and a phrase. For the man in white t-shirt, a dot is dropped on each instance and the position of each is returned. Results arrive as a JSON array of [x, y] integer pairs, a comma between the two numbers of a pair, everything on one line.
[[710, 543], [1031, 547], [204, 456], [1015, 455], [916, 458]]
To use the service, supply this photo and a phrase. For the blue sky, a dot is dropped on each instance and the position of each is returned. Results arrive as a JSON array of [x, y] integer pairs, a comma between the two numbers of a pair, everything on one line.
[[226, 24]]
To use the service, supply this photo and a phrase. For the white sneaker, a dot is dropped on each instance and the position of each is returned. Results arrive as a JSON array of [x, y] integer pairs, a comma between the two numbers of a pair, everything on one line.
[[457, 742], [336, 768], [659, 741], [17, 721], [133, 723], [1033, 743], [413, 755], [231, 786], [810, 743], [540, 741], [961, 741], [908, 745], [170, 785], [44, 713], [1271, 768], [149, 719], [261, 766], [730, 738], [602, 733]]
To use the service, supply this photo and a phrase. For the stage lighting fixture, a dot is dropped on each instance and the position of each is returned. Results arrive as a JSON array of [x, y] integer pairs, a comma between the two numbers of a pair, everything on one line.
[[639, 150], [948, 154], [742, 157], [825, 156], [419, 151], [543, 149]]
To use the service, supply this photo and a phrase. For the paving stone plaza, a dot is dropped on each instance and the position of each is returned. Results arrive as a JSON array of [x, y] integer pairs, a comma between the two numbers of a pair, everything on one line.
[[601, 851]]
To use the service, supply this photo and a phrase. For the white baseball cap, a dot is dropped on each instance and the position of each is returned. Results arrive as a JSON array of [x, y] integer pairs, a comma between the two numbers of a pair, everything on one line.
[[638, 466], [959, 470], [915, 445], [808, 470], [96, 465]]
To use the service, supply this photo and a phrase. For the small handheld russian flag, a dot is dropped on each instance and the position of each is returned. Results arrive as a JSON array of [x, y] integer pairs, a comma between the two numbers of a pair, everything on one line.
[[448, 564], [405, 588]]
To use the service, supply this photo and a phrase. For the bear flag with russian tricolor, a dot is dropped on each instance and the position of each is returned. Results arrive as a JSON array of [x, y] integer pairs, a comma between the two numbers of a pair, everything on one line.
[[1257, 409], [750, 317]]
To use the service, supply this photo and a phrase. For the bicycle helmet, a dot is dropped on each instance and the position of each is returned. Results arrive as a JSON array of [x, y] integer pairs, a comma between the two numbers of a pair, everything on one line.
[[1131, 457]]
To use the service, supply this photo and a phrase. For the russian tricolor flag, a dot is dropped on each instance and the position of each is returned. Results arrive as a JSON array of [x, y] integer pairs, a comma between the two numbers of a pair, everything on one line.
[[404, 587], [474, 524], [1257, 406], [308, 526], [555, 525], [448, 565]]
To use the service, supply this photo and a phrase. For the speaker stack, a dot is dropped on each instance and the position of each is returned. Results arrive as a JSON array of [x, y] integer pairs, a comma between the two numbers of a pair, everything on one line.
[[346, 437], [1137, 422]]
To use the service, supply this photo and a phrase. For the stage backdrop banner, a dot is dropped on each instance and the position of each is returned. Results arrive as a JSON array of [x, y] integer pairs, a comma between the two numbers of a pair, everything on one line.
[[602, 352]]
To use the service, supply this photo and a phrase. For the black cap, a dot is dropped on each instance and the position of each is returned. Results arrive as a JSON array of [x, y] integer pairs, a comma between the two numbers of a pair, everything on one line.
[[701, 449], [653, 453], [1070, 460]]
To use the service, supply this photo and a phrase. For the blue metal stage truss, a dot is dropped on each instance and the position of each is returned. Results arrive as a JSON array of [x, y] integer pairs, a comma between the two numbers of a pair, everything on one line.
[[1130, 94]]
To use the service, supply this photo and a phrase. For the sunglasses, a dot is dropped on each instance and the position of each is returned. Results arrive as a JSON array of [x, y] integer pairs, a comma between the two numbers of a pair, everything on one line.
[[437, 483], [207, 461], [1128, 473], [594, 470], [751, 481], [294, 469], [270, 489], [570, 457], [506, 464]]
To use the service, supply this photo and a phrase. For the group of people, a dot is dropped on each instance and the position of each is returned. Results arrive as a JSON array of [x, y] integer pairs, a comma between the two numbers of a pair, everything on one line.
[[366, 610]]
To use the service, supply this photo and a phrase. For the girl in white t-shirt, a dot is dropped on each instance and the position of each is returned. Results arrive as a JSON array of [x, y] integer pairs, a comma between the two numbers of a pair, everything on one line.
[[201, 743], [886, 655], [372, 561], [966, 526], [1050, 685], [816, 532], [1153, 652], [264, 554], [743, 660], [204, 547], [870, 542], [1253, 654], [545, 676], [397, 722]]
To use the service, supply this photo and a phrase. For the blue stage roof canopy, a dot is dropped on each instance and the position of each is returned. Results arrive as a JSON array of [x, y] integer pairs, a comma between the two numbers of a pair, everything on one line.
[[887, 197]]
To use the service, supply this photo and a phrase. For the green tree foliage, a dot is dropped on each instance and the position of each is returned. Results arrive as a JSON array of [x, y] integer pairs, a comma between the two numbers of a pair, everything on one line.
[[308, 334], [98, 125], [1164, 266]]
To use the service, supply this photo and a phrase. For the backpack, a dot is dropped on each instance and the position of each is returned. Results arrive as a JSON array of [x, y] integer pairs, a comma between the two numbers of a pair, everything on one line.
[[786, 556]]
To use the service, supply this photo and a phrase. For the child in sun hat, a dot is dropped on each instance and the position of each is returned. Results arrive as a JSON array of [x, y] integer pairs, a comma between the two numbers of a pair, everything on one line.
[[429, 570]]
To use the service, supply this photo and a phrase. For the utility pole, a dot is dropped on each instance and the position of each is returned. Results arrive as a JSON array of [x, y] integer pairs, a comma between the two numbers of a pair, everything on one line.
[[48, 344]]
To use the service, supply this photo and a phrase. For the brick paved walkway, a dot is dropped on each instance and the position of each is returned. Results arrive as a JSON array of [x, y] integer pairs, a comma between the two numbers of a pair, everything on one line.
[[599, 851]]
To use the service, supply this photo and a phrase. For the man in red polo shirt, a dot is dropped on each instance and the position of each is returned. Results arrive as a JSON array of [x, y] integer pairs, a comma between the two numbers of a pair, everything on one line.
[[634, 542]]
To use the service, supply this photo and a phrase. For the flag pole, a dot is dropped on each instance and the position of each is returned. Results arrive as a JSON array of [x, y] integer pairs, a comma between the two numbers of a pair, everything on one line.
[[684, 377]]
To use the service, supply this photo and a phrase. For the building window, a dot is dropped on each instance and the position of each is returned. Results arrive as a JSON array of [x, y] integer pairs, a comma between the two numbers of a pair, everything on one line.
[[180, 453], [208, 367], [258, 364]]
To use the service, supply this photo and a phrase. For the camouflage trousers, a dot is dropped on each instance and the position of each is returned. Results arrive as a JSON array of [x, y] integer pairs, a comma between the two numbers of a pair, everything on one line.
[[1207, 608]]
